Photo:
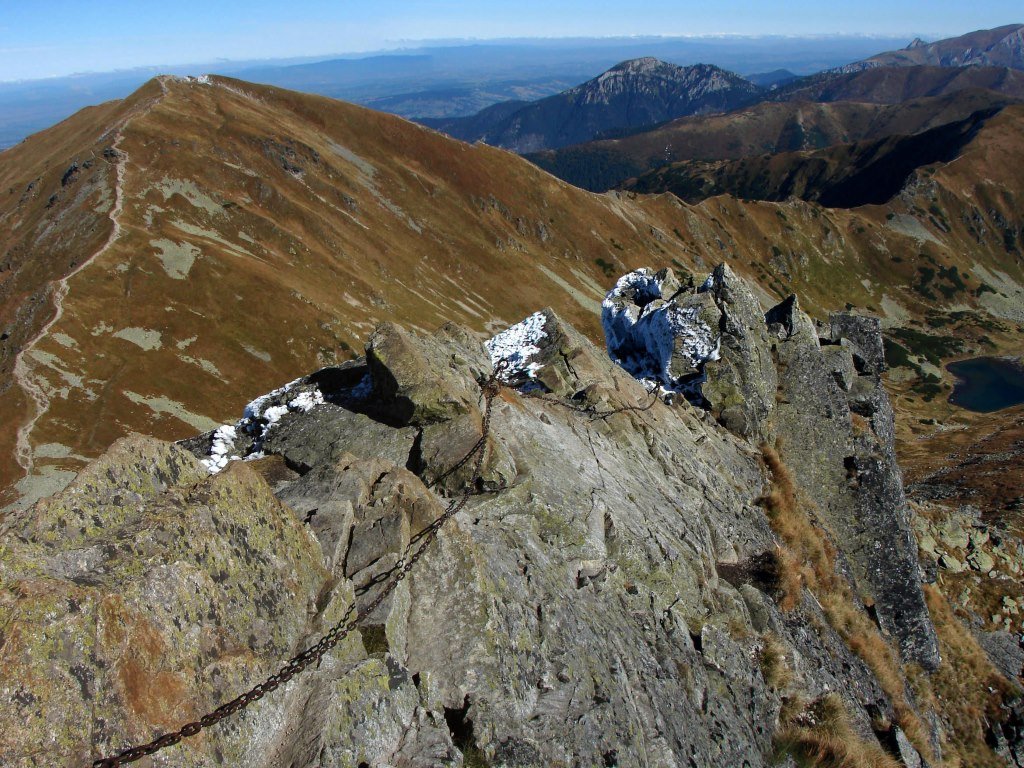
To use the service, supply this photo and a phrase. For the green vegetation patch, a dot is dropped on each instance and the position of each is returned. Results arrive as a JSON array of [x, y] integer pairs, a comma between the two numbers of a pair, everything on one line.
[[896, 355], [605, 266], [931, 348]]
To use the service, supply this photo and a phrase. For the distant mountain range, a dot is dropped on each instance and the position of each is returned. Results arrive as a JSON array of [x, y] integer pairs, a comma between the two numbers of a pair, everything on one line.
[[438, 79], [643, 93], [999, 47], [631, 95], [767, 127], [891, 85]]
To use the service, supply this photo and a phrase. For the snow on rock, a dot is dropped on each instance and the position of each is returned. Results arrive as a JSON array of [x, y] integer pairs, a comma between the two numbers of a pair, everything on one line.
[[249, 432], [306, 401], [657, 331], [221, 448], [363, 389], [516, 346]]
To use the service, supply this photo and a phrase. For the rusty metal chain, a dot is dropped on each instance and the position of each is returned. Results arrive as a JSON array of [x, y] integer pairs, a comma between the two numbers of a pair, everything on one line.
[[417, 547], [414, 551]]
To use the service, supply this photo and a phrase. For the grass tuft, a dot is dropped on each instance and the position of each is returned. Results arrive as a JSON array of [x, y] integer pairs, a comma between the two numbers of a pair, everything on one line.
[[809, 560], [823, 736]]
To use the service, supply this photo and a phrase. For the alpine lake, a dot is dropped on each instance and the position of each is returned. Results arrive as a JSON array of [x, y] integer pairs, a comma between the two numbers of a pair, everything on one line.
[[987, 384]]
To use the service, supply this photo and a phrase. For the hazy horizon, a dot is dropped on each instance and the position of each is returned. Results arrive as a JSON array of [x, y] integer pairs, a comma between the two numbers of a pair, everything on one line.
[[412, 46], [63, 38]]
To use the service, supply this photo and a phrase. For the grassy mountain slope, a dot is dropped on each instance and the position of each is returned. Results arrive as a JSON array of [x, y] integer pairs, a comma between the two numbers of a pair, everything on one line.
[[843, 176], [768, 127], [263, 232]]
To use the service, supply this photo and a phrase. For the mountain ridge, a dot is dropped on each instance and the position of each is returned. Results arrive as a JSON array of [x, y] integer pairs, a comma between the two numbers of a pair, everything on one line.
[[998, 47], [633, 93], [539, 577], [768, 127], [169, 257], [319, 212]]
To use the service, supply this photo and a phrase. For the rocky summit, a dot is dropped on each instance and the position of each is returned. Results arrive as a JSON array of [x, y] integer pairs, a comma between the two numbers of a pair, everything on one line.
[[708, 563], [631, 95]]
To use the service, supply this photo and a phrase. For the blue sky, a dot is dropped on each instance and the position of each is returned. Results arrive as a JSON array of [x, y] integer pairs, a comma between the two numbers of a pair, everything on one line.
[[42, 39]]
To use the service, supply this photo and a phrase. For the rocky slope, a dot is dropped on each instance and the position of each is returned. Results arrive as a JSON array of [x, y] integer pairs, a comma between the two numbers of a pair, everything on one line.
[[630, 582], [999, 47], [633, 94]]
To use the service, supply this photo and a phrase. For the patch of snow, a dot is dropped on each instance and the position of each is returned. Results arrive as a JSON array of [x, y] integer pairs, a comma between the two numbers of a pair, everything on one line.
[[513, 348], [363, 389], [263, 413], [254, 410], [221, 449], [307, 401], [644, 332], [273, 414]]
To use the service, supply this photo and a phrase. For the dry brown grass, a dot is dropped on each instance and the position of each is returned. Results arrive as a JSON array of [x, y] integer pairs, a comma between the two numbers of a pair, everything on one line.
[[822, 736], [860, 425], [966, 691], [806, 557], [809, 554], [774, 665]]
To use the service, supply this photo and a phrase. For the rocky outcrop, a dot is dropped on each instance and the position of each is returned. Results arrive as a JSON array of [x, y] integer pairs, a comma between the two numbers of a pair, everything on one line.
[[770, 377], [608, 595], [835, 423]]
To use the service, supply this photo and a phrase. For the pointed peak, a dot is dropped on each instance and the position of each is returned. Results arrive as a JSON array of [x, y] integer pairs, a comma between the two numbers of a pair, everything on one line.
[[917, 42]]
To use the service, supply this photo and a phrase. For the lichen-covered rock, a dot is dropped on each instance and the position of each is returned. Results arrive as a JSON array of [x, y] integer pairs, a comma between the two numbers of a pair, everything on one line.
[[601, 599], [1005, 652], [741, 383], [424, 380], [181, 586]]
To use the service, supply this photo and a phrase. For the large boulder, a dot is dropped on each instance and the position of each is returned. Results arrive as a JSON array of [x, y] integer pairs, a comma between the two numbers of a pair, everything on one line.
[[421, 379]]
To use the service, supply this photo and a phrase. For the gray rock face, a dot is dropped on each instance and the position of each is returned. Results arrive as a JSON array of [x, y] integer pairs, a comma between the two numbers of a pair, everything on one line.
[[741, 384], [863, 336], [1005, 651], [770, 377], [836, 435], [602, 598]]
